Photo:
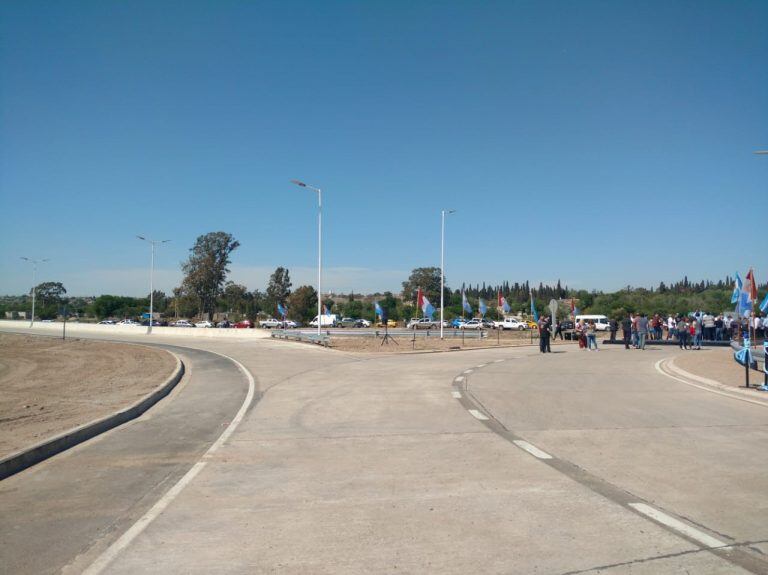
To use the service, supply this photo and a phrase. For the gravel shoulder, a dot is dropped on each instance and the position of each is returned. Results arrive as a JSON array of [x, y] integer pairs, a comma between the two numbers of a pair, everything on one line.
[[48, 385]]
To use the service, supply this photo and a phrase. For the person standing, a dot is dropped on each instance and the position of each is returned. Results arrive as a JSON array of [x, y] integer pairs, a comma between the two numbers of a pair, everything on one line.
[[626, 328], [642, 331], [614, 326], [671, 327], [697, 333], [591, 336], [682, 333], [719, 324], [544, 334]]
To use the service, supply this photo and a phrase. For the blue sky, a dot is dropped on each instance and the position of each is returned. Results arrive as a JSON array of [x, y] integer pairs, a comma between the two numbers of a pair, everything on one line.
[[602, 143]]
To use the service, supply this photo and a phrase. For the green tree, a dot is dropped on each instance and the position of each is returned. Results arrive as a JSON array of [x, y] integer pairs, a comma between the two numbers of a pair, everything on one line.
[[302, 304], [278, 288], [206, 269], [428, 279], [50, 296], [235, 298]]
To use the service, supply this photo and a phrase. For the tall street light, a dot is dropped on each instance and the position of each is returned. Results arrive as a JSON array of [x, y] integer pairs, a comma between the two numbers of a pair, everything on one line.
[[153, 243], [34, 289], [319, 249], [442, 265]]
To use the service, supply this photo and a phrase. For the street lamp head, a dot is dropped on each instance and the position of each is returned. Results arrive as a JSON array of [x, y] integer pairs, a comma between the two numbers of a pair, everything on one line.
[[762, 152], [165, 241], [299, 183], [142, 238], [25, 259]]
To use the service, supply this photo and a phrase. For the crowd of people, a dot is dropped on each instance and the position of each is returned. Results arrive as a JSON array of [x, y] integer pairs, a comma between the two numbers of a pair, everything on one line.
[[689, 331]]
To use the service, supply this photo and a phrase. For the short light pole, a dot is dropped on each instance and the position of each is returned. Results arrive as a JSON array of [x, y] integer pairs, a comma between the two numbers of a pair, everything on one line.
[[442, 265], [153, 243], [34, 289], [319, 250]]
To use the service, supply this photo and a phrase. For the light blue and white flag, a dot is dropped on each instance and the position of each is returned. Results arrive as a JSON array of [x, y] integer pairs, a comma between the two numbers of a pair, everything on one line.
[[764, 305], [736, 289], [482, 307], [465, 303], [282, 310], [377, 309], [427, 308], [534, 313], [744, 305]]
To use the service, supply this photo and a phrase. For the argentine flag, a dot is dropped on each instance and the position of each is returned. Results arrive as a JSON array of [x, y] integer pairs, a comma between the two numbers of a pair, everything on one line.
[[736, 289], [482, 307], [377, 309], [281, 309], [764, 304], [534, 313]]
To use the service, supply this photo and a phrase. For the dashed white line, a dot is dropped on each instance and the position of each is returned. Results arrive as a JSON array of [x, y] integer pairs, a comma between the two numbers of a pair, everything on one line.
[[456, 395], [532, 449], [481, 366], [459, 379], [109, 554], [679, 526], [467, 371], [497, 360], [477, 415]]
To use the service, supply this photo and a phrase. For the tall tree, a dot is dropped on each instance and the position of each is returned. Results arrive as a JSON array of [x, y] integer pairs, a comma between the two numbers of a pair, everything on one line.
[[279, 288], [302, 304], [428, 279], [50, 296], [206, 269]]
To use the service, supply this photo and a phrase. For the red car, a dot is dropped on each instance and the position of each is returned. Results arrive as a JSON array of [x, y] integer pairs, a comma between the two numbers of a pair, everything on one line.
[[243, 324]]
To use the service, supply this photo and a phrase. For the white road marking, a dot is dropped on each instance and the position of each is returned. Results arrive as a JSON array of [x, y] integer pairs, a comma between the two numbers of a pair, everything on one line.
[[109, 554], [459, 379], [497, 360], [481, 366], [467, 371], [532, 449], [704, 387], [478, 415], [456, 395], [683, 528]]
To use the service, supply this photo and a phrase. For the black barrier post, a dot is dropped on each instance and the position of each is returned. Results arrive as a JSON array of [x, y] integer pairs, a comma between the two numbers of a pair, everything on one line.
[[746, 344], [498, 336], [765, 362]]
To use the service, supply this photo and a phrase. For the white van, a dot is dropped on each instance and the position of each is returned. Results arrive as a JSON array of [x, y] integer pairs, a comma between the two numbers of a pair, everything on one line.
[[601, 321], [326, 320]]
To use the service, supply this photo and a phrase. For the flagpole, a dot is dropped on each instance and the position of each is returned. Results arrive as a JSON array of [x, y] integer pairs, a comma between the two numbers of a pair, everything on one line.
[[442, 266]]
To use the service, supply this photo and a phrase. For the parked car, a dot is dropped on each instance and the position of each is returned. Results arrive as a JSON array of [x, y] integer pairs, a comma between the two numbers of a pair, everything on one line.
[[457, 322], [349, 322], [475, 323], [270, 323], [422, 323], [532, 324], [390, 323], [155, 323], [511, 323], [204, 323], [290, 324], [364, 323], [182, 323], [107, 322], [602, 323], [245, 324], [127, 322], [224, 324], [327, 320]]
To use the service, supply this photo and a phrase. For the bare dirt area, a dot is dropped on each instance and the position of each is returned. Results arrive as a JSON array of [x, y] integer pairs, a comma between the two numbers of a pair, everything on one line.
[[373, 344], [718, 364], [48, 385]]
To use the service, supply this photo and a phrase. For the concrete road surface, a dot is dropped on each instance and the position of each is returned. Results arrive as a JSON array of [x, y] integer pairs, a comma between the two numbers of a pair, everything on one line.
[[488, 461]]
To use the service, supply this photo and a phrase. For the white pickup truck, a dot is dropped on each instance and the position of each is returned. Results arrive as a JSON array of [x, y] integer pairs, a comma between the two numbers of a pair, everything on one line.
[[270, 323], [510, 323]]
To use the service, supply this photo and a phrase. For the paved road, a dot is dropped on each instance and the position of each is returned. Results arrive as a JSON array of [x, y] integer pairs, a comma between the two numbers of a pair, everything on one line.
[[353, 464]]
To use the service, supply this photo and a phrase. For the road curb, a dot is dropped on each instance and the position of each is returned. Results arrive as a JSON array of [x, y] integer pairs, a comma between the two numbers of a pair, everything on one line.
[[679, 371], [33, 455]]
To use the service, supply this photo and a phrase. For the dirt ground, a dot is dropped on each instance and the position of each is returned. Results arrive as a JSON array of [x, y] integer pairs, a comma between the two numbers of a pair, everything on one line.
[[371, 344], [48, 385]]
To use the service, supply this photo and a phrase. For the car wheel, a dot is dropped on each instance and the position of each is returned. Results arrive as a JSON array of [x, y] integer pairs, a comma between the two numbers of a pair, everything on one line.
[[521, 328]]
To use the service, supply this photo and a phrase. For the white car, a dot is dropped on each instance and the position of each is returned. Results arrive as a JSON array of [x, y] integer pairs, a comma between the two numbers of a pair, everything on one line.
[[204, 323], [270, 323], [511, 323], [422, 323], [364, 323], [290, 324], [127, 322], [472, 324], [107, 322], [183, 323]]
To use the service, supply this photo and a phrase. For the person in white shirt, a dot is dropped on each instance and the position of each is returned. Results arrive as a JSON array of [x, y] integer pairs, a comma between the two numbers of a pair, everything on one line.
[[671, 325]]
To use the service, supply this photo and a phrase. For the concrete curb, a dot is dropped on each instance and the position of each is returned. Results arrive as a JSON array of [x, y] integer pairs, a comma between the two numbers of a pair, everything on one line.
[[33, 455], [752, 393]]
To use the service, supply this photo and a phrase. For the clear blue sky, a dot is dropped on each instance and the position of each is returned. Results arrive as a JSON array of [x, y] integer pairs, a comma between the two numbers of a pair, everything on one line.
[[633, 122]]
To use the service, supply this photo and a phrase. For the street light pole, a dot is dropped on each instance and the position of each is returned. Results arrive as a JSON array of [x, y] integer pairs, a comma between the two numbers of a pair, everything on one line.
[[34, 290], [152, 279], [319, 250], [442, 265]]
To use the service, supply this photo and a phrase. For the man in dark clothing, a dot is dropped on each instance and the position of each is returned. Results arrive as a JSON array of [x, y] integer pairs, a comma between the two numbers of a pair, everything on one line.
[[558, 330], [626, 328], [614, 325], [544, 335]]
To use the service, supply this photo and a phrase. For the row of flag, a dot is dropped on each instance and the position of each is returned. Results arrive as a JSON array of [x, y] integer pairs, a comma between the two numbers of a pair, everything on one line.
[[744, 295]]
